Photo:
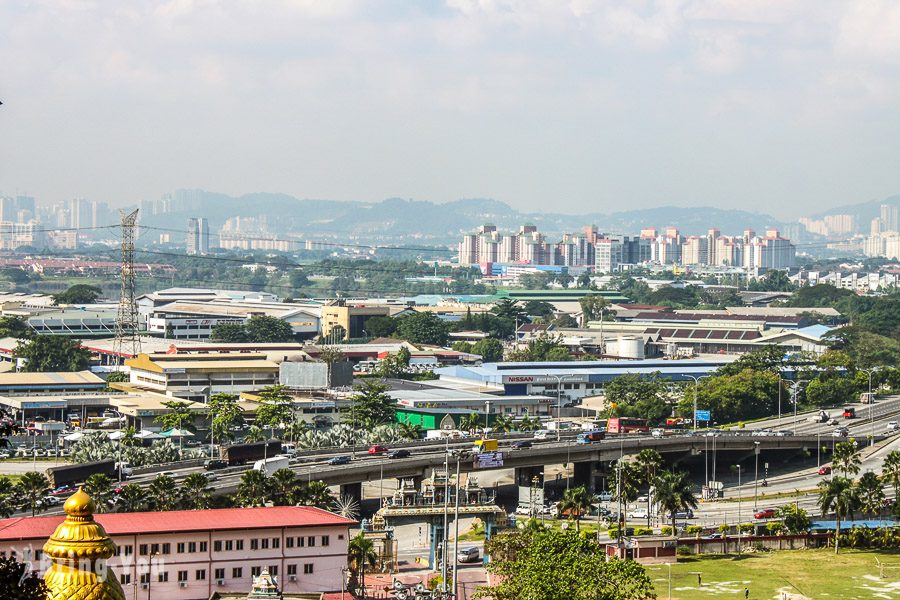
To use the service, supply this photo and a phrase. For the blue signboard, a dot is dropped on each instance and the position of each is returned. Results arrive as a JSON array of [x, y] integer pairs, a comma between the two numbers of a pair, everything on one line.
[[702, 415]]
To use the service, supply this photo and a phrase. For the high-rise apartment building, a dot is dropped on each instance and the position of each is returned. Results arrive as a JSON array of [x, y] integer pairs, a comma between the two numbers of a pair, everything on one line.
[[198, 236], [890, 217]]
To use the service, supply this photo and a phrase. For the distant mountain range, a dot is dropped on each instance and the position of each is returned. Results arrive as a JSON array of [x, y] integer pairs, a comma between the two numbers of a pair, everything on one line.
[[399, 219], [863, 211]]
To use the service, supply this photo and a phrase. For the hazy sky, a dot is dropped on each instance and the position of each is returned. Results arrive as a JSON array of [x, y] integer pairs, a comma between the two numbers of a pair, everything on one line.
[[780, 106]]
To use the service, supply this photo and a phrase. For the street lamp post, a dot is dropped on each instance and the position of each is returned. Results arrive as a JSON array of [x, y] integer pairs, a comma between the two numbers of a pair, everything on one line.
[[739, 509], [756, 476], [558, 379], [696, 392], [487, 412], [456, 536], [869, 372]]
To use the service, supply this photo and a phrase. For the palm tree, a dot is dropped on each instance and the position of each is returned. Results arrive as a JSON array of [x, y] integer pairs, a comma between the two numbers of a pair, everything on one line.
[[890, 471], [846, 458], [674, 493], [9, 497], [837, 494], [129, 437], [195, 492], [255, 434], [99, 487], [576, 502], [161, 493], [316, 493], [132, 498], [649, 461], [870, 493], [410, 431], [529, 423], [32, 490], [470, 422], [503, 424], [295, 429], [361, 552], [283, 487], [253, 489]]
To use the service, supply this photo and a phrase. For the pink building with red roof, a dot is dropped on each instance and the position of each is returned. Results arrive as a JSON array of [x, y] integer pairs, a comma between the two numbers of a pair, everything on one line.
[[189, 554]]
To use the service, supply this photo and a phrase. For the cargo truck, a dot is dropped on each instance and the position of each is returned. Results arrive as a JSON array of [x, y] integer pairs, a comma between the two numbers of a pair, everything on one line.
[[272, 464], [239, 454], [71, 474]]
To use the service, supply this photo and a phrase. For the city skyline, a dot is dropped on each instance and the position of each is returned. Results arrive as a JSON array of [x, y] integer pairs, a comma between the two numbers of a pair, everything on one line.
[[589, 106]]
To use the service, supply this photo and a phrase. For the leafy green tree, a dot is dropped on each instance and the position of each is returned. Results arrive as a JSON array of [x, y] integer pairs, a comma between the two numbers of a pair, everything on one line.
[[539, 308], [32, 491], [462, 346], [99, 486], [576, 502], [224, 413], [299, 280], [649, 461], [593, 306], [795, 519], [768, 358], [283, 487], [818, 296], [830, 391], [255, 433], [422, 328], [503, 424], [634, 395], [118, 377], [371, 405], [870, 493], [746, 395], [510, 310], [179, 416], [836, 494], [773, 281], [195, 492], [15, 327], [890, 471], [263, 329], [229, 333], [845, 458], [631, 476], [380, 326], [673, 493], [132, 498], [161, 493], [410, 431], [560, 565], [50, 353], [360, 553], [18, 583], [544, 347], [78, 294], [253, 489], [276, 407], [9, 497]]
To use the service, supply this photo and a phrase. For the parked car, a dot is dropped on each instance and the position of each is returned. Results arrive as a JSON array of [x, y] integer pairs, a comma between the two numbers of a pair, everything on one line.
[[399, 453], [712, 536], [378, 449], [339, 460], [685, 514], [826, 470], [638, 513], [215, 463], [523, 509], [521, 444], [466, 555], [52, 501], [893, 426], [766, 513], [605, 496], [63, 490]]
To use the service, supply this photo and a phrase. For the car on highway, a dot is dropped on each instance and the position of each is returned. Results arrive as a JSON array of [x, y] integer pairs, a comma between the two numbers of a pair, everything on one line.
[[832, 421], [63, 490], [657, 433], [521, 444], [215, 463], [399, 453], [840, 432], [638, 513], [893, 426], [685, 514], [542, 434], [712, 536], [766, 513], [338, 460], [168, 474], [467, 555], [825, 470], [762, 432], [605, 496], [378, 449], [52, 501]]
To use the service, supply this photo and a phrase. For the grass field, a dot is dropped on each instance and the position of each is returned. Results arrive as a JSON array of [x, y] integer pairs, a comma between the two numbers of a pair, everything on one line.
[[791, 575]]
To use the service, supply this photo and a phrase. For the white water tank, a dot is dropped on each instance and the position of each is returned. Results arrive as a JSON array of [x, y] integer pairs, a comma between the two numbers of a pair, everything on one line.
[[627, 347]]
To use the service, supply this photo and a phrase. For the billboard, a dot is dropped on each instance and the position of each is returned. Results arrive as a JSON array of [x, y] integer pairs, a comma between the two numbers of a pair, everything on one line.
[[488, 460], [702, 415]]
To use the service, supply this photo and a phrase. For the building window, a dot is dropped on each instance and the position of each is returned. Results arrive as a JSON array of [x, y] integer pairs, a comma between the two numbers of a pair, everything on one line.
[[182, 576], [301, 541], [180, 547], [255, 571], [288, 542], [163, 576], [276, 543], [254, 544], [325, 540], [220, 573], [239, 545], [307, 569], [154, 548], [237, 573], [229, 545], [217, 546], [311, 541], [145, 578], [143, 549], [292, 569], [203, 546], [200, 575], [273, 569], [128, 550], [264, 543], [167, 548], [192, 546], [340, 536], [125, 578]]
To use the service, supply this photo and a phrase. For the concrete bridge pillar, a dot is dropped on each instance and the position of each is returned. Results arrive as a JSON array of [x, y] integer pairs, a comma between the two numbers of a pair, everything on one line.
[[354, 490], [530, 483], [590, 474]]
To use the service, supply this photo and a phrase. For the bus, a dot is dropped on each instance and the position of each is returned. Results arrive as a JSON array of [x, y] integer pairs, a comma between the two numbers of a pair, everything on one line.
[[627, 425]]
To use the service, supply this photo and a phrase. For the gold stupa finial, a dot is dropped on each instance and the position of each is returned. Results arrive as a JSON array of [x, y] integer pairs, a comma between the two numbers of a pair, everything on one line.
[[79, 550]]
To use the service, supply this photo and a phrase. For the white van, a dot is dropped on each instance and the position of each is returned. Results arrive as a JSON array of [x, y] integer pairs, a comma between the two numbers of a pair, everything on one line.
[[542, 434]]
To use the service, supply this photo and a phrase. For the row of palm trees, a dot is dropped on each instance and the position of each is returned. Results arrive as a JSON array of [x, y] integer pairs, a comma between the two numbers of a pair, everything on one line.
[[502, 423], [282, 488]]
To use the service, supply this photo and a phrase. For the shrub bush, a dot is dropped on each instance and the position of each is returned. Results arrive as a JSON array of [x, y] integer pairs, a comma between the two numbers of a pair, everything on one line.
[[666, 530], [683, 550], [693, 529], [643, 531]]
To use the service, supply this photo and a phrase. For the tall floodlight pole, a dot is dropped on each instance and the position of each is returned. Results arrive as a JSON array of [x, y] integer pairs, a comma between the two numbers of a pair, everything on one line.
[[128, 341]]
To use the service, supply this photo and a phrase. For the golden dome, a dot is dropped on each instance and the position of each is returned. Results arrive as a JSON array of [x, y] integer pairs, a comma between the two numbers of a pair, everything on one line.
[[79, 549]]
